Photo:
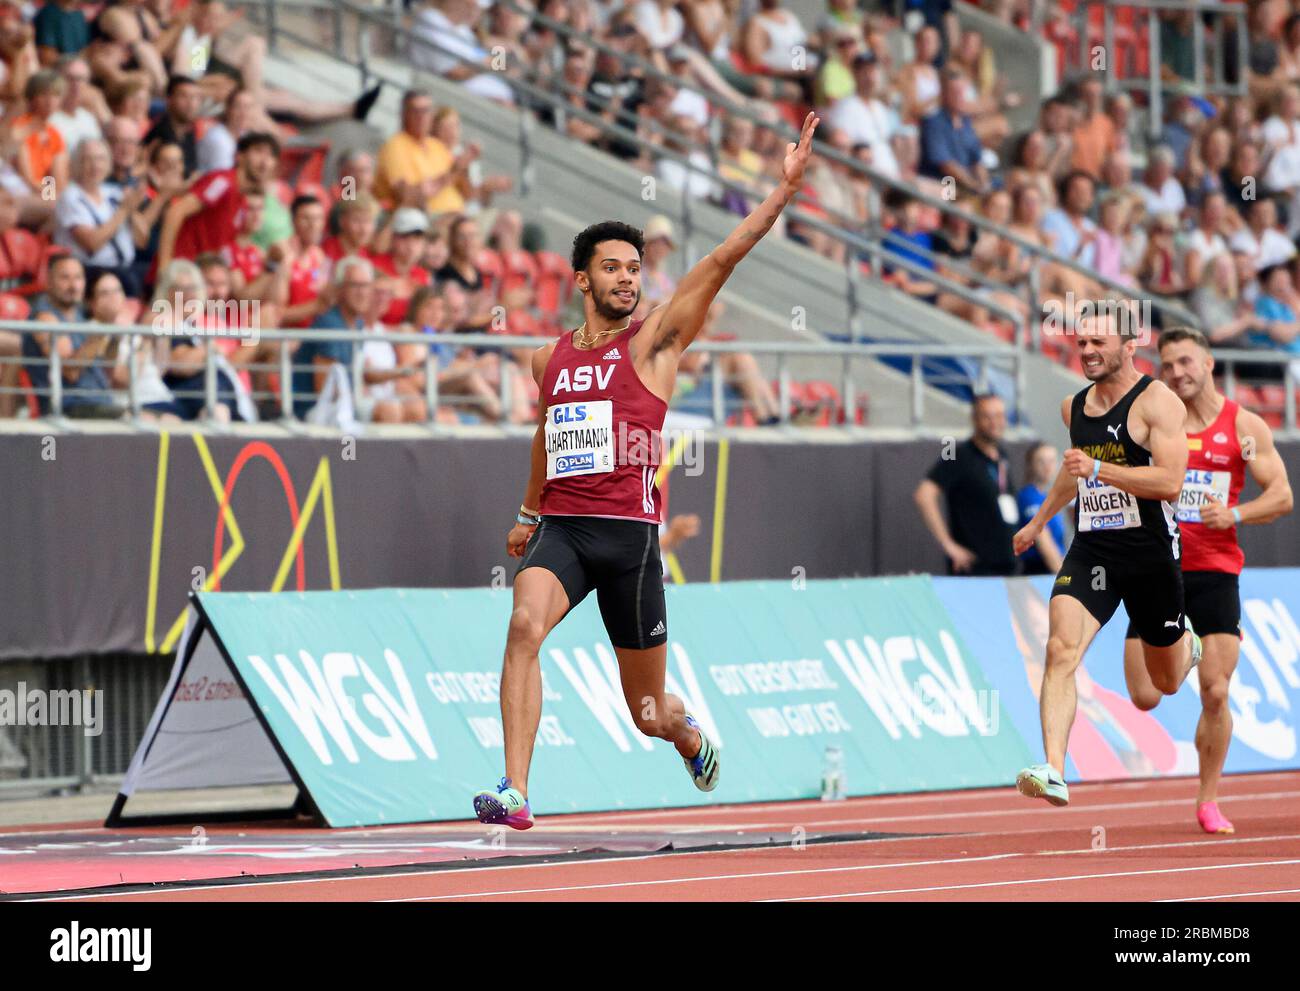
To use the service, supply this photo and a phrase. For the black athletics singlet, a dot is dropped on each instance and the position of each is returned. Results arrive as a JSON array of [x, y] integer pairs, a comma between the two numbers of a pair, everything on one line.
[[1110, 523]]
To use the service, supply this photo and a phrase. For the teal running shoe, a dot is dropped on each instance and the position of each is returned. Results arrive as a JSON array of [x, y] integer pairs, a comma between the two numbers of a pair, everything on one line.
[[1043, 781], [505, 806]]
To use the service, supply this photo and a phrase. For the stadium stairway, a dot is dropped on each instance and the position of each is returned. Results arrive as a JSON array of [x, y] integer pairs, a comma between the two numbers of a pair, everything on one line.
[[568, 184]]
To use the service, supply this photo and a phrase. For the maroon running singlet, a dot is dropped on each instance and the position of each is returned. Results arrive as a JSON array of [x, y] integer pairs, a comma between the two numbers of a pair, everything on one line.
[[603, 429]]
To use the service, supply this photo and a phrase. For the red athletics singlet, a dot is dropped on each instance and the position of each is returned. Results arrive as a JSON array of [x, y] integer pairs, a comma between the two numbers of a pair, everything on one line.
[[1214, 467], [603, 431]]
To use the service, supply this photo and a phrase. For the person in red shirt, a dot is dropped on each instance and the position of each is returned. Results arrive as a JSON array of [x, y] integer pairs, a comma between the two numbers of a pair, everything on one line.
[[250, 278], [356, 236], [308, 266], [207, 218], [1224, 442], [410, 229]]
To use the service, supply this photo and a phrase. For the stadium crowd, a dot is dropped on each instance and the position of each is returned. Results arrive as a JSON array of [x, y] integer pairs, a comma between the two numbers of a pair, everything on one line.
[[144, 158]]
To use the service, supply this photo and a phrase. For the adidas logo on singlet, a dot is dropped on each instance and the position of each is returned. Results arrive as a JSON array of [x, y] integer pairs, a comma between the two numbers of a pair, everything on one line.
[[612, 355]]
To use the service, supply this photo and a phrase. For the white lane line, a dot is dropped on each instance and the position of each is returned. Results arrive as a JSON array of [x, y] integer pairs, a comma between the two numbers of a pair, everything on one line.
[[1243, 894], [1037, 880], [837, 870]]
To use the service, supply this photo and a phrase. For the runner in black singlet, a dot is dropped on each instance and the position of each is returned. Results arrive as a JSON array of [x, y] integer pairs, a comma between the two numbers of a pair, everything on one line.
[[1125, 469]]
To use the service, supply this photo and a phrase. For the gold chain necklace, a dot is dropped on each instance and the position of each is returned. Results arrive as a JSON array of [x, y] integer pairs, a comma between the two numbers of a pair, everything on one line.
[[587, 343]]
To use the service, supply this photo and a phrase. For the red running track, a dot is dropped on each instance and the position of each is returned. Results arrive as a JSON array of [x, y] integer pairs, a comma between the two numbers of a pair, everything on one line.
[[1129, 841]]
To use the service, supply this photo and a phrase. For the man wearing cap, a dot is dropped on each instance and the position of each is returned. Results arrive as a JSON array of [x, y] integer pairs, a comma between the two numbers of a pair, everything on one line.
[[402, 263], [863, 116], [656, 284]]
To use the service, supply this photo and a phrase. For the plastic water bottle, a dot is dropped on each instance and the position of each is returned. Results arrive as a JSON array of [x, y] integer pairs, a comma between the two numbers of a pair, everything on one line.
[[833, 786]]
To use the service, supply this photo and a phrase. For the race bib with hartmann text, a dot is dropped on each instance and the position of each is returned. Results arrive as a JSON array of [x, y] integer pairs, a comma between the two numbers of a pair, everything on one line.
[[579, 439]]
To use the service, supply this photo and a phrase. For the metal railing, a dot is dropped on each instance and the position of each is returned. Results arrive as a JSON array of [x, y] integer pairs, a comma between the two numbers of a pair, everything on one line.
[[1228, 26], [985, 366], [857, 243]]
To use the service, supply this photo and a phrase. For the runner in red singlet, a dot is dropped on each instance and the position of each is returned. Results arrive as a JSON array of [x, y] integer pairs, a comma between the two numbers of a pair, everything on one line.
[[1224, 441], [591, 512]]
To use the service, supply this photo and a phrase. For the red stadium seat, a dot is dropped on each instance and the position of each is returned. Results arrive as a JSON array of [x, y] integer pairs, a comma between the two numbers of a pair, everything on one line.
[[13, 307], [554, 282], [490, 267], [518, 271]]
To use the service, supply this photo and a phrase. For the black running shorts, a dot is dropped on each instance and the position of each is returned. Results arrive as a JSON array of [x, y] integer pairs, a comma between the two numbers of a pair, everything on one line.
[[1151, 590], [1213, 603], [617, 558]]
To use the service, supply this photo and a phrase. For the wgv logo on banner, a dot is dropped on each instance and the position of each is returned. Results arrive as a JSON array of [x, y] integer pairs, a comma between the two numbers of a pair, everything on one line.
[[938, 698], [319, 700]]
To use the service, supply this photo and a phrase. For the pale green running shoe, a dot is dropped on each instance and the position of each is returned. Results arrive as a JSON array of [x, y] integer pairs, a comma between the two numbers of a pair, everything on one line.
[[1043, 781], [504, 805], [703, 767]]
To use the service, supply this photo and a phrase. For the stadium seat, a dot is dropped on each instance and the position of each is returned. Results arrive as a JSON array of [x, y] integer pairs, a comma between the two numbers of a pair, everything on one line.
[[554, 282], [491, 268], [13, 307], [518, 271]]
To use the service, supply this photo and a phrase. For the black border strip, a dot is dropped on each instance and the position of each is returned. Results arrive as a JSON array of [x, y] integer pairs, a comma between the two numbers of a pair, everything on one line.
[[442, 866]]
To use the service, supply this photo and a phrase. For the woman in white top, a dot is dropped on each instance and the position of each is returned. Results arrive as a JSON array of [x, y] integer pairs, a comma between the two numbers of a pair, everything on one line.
[[919, 79], [92, 218], [775, 40], [384, 399]]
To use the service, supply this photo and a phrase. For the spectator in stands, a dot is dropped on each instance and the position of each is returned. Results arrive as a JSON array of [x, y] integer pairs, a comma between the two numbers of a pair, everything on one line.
[[61, 29], [657, 283], [903, 242], [354, 279], [1068, 226], [93, 218], [125, 38], [1240, 181], [356, 228], [216, 149], [1056, 121], [1206, 162], [1276, 307], [975, 481], [476, 190], [308, 265], [206, 218], [414, 162], [617, 90], [1094, 137], [1159, 270], [771, 41], [123, 140], [1218, 305], [85, 379], [106, 303], [1161, 191], [986, 94], [82, 108], [403, 263], [465, 243], [1031, 168], [864, 117], [180, 306], [1108, 239], [163, 182], [41, 152], [743, 380], [445, 45], [1281, 134], [949, 145], [685, 139], [919, 81], [179, 119], [1044, 558], [457, 371], [129, 99], [579, 63], [250, 275], [1261, 238], [356, 174], [390, 395], [835, 77], [1206, 241]]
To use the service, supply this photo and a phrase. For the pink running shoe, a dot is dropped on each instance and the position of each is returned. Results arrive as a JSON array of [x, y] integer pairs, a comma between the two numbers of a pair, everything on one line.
[[1211, 819]]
